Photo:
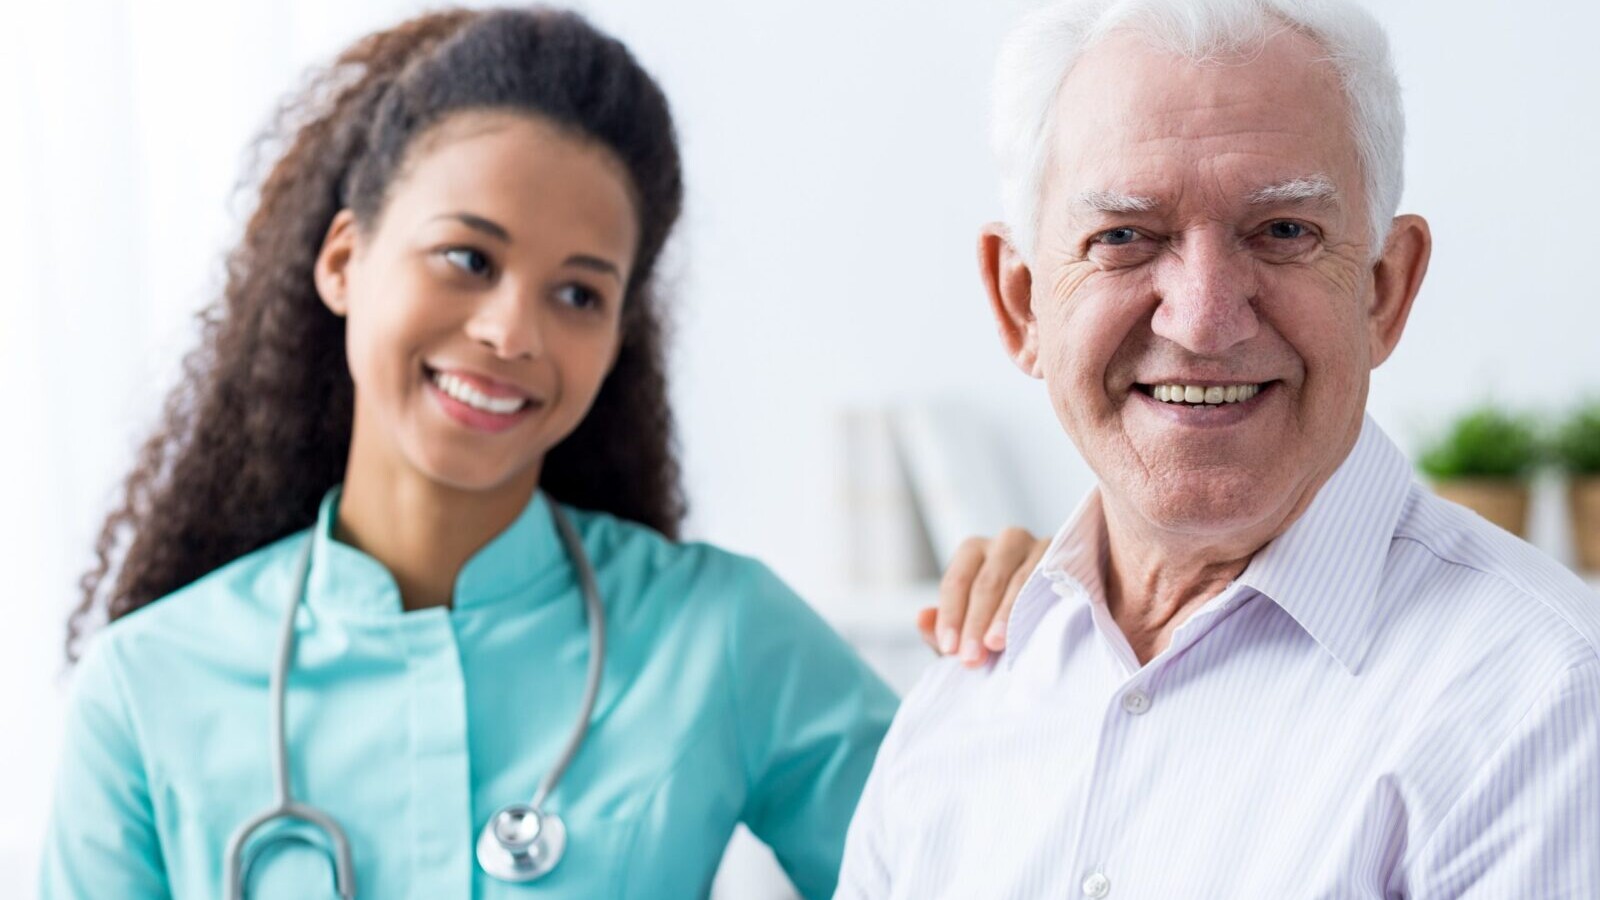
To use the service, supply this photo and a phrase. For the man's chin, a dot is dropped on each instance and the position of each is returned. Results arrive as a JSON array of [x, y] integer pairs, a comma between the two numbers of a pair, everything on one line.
[[1209, 504]]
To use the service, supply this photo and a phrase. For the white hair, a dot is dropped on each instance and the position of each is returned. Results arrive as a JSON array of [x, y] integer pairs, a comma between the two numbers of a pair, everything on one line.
[[1039, 53]]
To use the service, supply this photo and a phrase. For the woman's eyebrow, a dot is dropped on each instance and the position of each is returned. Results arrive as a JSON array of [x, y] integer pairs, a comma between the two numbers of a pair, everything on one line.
[[478, 223], [594, 263]]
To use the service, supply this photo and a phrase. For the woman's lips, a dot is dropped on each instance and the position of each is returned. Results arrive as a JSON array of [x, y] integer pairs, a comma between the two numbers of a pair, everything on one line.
[[477, 383], [477, 403]]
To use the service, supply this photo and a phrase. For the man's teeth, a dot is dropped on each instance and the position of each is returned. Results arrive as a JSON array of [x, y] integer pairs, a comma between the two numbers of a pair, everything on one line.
[[459, 389], [1191, 393]]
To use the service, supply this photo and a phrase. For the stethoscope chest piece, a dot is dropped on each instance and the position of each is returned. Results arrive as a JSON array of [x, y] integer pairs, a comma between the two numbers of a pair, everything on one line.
[[520, 843]]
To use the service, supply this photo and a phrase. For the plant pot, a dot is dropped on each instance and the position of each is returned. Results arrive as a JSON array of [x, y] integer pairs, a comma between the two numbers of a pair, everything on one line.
[[1502, 501], [1583, 500]]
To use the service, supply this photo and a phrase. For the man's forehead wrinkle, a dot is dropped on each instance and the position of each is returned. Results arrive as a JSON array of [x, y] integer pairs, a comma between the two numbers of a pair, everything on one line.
[[1186, 131], [1182, 136], [1189, 110]]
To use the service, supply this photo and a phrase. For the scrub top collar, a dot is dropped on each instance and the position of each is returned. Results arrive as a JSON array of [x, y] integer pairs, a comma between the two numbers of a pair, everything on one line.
[[346, 581]]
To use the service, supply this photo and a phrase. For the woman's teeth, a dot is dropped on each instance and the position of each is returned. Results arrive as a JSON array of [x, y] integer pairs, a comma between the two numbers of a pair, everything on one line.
[[458, 389], [1213, 396]]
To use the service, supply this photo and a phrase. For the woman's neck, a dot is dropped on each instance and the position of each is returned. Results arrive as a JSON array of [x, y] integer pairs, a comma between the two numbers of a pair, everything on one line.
[[421, 531]]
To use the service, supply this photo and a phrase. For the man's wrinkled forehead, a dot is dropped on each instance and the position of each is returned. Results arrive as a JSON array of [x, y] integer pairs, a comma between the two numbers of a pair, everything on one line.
[[1130, 118]]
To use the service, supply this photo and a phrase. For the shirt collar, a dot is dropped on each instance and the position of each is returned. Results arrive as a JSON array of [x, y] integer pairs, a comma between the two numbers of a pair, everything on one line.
[[345, 579], [1323, 571], [1070, 567]]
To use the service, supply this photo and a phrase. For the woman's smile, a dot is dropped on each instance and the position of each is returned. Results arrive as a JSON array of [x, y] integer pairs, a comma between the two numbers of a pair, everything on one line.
[[479, 403]]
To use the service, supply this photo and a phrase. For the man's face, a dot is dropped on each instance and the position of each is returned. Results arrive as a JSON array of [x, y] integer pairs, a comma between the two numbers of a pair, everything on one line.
[[1205, 227]]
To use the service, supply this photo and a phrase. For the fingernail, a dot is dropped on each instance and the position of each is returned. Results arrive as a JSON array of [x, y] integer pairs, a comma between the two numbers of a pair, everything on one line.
[[947, 640], [995, 640], [971, 651]]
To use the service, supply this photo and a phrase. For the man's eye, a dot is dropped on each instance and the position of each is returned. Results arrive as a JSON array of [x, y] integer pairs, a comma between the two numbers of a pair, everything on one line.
[[473, 262], [1287, 231], [577, 296], [1117, 236]]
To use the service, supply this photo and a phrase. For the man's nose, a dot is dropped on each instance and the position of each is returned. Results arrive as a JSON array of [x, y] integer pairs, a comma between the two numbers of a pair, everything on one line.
[[510, 322], [1207, 295]]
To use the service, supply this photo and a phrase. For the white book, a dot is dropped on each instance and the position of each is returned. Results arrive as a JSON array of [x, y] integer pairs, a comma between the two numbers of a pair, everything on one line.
[[885, 543], [962, 480]]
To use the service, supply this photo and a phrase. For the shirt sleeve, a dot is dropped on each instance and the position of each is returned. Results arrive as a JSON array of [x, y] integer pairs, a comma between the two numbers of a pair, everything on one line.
[[811, 716], [101, 840], [1528, 824]]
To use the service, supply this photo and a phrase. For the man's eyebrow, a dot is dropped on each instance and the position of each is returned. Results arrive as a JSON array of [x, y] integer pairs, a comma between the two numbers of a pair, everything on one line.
[[1313, 188], [594, 263], [1112, 202], [479, 223]]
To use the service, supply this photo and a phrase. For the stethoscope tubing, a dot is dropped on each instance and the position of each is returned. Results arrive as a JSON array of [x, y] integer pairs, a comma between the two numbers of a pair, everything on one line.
[[597, 653], [285, 805]]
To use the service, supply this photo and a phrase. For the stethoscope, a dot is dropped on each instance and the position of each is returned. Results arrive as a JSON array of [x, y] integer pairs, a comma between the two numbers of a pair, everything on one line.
[[519, 843]]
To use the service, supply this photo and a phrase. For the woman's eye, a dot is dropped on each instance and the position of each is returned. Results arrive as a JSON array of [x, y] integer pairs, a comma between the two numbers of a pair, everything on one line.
[[577, 296], [473, 262], [1117, 236], [1286, 231]]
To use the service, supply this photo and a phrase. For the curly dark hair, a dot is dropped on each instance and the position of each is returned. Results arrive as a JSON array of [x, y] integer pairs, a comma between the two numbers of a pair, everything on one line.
[[258, 429]]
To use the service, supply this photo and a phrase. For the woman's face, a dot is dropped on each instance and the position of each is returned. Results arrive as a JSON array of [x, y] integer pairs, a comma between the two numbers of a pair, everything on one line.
[[483, 307]]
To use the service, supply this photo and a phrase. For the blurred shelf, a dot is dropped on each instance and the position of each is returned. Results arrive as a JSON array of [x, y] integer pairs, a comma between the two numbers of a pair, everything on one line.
[[880, 622], [876, 613]]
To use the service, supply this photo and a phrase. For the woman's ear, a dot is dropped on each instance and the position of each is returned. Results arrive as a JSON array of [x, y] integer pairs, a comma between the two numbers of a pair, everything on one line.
[[332, 272], [1009, 282]]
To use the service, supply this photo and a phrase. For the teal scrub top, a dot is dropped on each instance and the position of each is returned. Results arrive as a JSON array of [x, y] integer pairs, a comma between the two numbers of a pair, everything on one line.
[[725, 699]]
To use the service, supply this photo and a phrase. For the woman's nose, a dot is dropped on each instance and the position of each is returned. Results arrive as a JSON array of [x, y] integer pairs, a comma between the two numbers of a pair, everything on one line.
[[509, 322]]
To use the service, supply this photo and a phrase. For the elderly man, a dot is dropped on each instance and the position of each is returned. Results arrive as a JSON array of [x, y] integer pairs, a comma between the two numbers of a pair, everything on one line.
[[1259, 662]]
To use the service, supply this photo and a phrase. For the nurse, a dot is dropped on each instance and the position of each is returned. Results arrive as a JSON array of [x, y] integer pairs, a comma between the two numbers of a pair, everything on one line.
[[438, 347]]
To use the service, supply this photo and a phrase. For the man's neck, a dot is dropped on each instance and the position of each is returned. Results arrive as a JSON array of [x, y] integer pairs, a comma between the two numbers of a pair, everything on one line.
[[1156, 579]]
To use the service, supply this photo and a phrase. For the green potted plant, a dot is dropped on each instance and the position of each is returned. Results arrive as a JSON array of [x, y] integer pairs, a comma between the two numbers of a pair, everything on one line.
[[1576, 449], [1483, 461]]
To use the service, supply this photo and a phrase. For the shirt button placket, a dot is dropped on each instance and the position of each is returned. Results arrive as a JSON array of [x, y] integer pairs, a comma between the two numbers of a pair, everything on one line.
[[1096, 885]]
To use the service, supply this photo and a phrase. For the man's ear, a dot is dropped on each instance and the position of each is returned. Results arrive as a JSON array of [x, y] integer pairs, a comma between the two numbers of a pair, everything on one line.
[[1009, 282], [1396, 279], [332, 272]]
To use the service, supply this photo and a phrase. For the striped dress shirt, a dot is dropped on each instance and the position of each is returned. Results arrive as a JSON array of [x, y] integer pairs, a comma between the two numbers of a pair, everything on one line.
[[1394, 699]]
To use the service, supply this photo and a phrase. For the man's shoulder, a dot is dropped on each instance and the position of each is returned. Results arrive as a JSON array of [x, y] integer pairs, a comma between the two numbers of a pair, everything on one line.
[[948, 703], [1482, 578]]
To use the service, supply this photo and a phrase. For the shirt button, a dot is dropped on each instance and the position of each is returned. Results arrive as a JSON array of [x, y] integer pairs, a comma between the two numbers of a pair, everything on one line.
[[1096, 885], [1136, 702]]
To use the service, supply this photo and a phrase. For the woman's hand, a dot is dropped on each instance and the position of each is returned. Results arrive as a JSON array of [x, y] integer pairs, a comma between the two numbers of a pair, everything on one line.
[[976, 594]]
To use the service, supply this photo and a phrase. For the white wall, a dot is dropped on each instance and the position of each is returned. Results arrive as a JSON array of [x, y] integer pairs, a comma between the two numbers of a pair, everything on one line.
[[837, 173]]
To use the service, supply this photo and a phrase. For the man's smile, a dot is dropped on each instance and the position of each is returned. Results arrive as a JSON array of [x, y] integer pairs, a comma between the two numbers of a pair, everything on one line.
[[1201, 394], [1213, 405]]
